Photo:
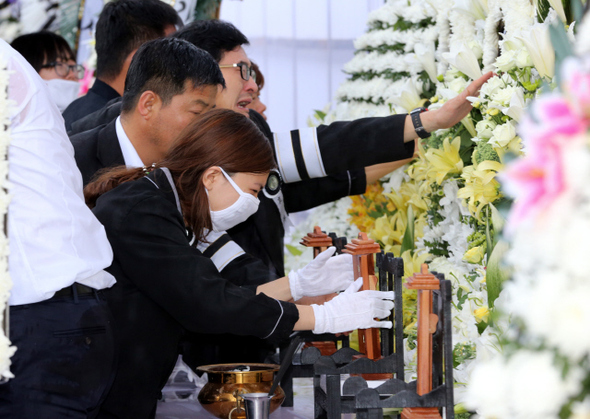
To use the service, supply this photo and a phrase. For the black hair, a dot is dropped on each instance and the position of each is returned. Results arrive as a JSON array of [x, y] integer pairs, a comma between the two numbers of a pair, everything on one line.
[[163, 66], [123, 26], [43, 47], [214, 36]]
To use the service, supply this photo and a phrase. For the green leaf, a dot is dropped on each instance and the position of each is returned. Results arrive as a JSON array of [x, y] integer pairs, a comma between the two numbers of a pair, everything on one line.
[[489, 238], [408, 240], [498, 222], [577, 9], [561, 44], [496, 272], [320, 116], [295, 251]]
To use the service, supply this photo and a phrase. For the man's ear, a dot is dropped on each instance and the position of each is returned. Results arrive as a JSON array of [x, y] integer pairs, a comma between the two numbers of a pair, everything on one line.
[[211, 176], [148, 104]]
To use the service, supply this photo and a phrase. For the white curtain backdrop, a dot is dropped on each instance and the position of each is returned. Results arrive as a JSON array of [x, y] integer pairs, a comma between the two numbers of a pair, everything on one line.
[[301, 47]]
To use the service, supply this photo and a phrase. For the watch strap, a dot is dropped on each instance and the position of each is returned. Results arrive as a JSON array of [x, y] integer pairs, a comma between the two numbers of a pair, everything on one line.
[[418, 127]]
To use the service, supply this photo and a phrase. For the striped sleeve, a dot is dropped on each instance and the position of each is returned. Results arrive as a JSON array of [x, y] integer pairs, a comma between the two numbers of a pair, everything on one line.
[[298, 155], [220, 248]]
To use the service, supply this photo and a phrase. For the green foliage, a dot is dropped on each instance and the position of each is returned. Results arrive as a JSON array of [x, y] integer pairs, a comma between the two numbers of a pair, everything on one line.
[[207, 9], [387, 74], [435, 141], [562, 45], [475, 239], [382, 49], [485, 151], [401, 25], [408, 240], [461, 298], [295, 251], [462, 352], [381, 101]]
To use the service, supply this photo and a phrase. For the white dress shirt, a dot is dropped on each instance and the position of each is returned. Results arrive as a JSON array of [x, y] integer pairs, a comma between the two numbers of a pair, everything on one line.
[[55, 240], [130, 155]]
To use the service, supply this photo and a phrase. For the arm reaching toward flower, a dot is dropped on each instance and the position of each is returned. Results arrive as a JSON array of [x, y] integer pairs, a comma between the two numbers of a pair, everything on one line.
[[451, 113]]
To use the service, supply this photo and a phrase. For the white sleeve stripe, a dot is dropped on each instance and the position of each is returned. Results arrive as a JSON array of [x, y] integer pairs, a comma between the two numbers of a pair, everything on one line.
[[286, 157], [311, 153], [226, 254], [278, 321], [211, 237]]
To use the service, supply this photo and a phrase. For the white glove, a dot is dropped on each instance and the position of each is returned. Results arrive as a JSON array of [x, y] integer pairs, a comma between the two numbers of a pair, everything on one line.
[[323, 275], [353, 310]]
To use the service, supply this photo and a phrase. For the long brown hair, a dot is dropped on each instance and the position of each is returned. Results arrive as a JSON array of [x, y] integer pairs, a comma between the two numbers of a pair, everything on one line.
[[219, 137]]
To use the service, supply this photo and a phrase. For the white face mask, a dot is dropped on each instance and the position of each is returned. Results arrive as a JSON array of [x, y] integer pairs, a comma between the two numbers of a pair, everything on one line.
[[236, 213], [63, 92]]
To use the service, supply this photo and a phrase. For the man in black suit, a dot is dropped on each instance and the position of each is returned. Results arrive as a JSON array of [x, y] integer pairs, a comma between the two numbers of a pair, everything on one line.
[[150, 122], [122, 26]]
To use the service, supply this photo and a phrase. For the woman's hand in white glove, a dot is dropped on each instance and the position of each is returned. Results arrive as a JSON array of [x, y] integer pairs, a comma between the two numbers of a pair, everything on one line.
[[353, 310], [323, 275]]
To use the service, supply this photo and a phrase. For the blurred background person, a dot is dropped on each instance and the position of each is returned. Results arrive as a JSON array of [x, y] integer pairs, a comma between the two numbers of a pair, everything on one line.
[[123, 26], [256, 103], [51, 56]]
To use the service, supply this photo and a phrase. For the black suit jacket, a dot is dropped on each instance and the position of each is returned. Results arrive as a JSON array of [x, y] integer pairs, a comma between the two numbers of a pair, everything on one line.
[[97, 149], [97, 118], [97, 96], [165, 285]]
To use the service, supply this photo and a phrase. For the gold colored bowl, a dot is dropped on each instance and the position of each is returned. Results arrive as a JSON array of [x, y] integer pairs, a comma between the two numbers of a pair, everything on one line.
[[221, 395]]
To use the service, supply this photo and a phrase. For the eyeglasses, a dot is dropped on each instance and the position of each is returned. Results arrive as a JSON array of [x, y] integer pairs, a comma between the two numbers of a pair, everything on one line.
[[245, 70], [63, 69]]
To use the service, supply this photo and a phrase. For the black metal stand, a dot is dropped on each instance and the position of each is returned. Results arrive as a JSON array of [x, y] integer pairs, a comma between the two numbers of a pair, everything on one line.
[[329, 400], [369, 403]]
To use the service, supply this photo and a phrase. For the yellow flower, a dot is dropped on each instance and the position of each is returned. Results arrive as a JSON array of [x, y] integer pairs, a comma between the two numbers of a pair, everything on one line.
[[480, 186], [413, 263], [474, 255], [414, 196], [482, 314], [445, 161]]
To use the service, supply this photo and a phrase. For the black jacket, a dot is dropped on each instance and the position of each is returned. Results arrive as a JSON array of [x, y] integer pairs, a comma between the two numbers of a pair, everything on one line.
[[346, 149], [99, 149], [97, 97], [165, 285]]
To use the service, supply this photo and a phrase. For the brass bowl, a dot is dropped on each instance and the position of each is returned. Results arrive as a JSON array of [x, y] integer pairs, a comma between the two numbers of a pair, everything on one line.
[[221, 395]]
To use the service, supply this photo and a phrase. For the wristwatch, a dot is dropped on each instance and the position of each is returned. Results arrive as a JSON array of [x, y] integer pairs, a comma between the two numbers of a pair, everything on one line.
[[415, 116]]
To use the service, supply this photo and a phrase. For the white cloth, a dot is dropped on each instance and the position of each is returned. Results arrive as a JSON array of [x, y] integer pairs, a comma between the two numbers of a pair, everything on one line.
[[130, 155], [55, 240]]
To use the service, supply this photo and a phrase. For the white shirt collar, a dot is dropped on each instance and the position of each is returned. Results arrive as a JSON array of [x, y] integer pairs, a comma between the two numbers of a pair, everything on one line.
[[130, 155]]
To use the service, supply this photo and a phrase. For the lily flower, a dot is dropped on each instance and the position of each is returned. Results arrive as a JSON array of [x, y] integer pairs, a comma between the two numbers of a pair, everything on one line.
[[464, 60], [515, 109], [481, 187], [445, 161], [425, 54], [477, 9], [409, 97], [538, 44], [474, 255], [558, 7]]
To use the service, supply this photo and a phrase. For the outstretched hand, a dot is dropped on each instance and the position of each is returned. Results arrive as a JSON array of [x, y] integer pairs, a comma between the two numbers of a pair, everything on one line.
[[451, 113]]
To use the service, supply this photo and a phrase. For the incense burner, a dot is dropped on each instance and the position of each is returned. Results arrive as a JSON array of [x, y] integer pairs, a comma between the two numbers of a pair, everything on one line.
[[221, 396]]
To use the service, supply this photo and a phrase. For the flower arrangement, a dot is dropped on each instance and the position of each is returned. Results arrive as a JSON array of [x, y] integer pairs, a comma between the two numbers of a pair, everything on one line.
[[542, 370], [443, 207]]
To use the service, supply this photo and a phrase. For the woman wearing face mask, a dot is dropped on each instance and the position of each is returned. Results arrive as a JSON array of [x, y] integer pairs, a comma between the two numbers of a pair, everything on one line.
[[51, 56], [210, 179]]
